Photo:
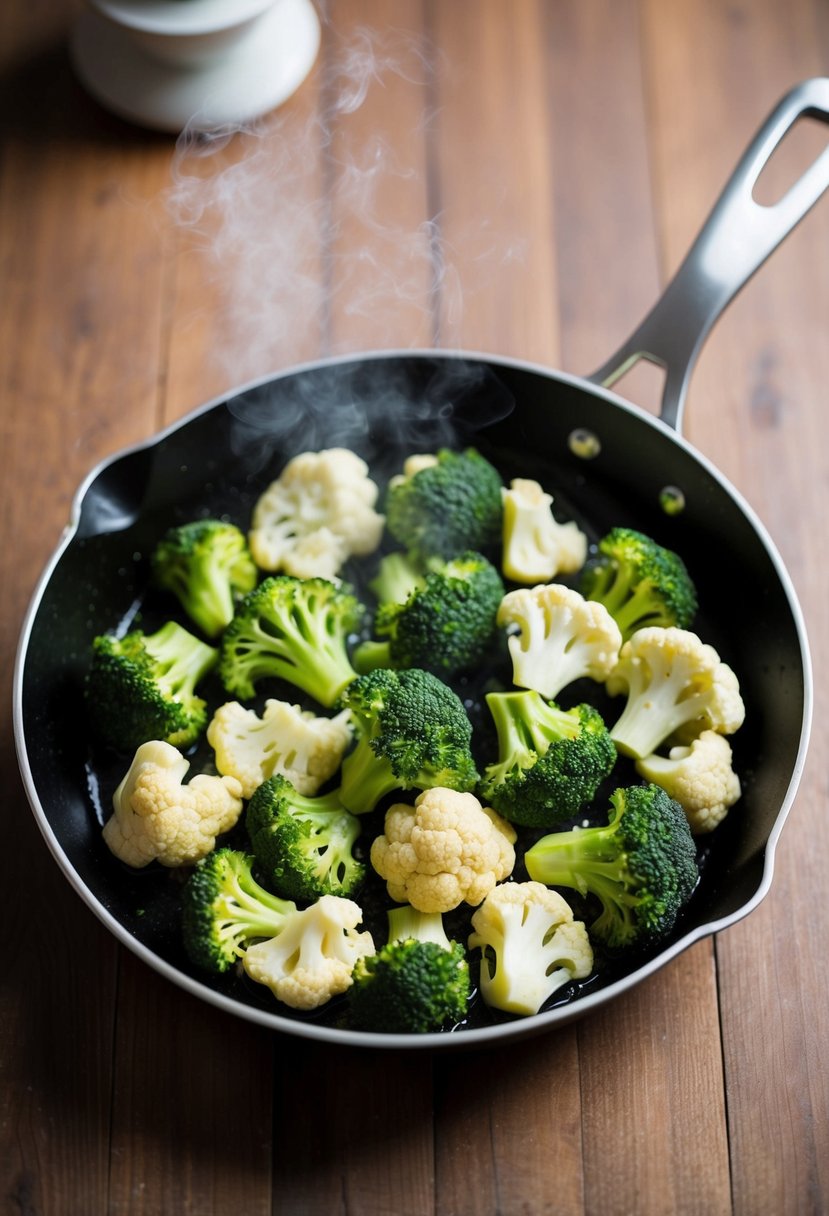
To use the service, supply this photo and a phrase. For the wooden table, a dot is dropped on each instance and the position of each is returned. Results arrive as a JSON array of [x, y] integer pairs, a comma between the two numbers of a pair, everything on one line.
[[520, 177]]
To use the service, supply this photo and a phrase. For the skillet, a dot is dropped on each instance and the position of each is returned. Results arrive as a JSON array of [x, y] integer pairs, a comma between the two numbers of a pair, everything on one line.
[[605, 461]]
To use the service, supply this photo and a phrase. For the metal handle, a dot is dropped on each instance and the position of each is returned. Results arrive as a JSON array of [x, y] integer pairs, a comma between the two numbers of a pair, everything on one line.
[[736, 239]]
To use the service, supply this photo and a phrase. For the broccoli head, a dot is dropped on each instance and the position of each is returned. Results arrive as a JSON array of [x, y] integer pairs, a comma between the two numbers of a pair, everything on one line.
[[295, 630], [445, 625], [445, 504], [417, 983], [224, 908], [412, 732], [639, 582], [641, 866], [550, 762], [207, 565], [303, 844], [142, 686]]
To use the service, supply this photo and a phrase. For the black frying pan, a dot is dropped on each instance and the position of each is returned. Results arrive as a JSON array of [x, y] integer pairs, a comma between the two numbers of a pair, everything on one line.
[[606, 463]]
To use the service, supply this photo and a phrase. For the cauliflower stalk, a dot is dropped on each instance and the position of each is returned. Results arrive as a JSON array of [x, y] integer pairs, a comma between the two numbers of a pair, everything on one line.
[[674, 682], [530, 946], [313, 957], [158, 818], [700, 777], [315, 515], [557, 636], [445, 850], [536, 547], [286, 739]]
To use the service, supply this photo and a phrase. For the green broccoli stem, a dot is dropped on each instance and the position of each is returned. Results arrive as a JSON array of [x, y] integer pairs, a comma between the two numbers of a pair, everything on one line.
[[526, 725], [592, 862], [245, 909], [310, 805], [182, 659], [611, 584], [312, 661], [329, 842], [641, 608], [370, 655], [397, 577], [211, 597], [571, 858], [365, 778]]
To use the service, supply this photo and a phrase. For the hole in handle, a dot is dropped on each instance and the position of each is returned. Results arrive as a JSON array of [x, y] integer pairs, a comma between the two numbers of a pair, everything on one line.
[[643, 384], [797, 151]]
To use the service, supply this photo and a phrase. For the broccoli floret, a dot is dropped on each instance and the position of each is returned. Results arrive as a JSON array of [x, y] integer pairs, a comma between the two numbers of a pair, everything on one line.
[[444, 505], [412, 733], [224, 908], [550, 761], [639, 582], [142, 687], [295, 630], [303, 844], [207, 565], [641, 866], [417, 983], [445, 625]]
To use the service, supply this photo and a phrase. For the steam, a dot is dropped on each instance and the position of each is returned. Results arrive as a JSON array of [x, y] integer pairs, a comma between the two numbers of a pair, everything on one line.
[[300, 225]]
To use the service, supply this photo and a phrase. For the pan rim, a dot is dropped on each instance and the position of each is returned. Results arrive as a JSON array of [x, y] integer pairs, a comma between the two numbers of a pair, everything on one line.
[[478, 1036]]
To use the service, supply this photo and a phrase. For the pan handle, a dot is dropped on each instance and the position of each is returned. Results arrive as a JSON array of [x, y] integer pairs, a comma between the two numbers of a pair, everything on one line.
[[736, 239]]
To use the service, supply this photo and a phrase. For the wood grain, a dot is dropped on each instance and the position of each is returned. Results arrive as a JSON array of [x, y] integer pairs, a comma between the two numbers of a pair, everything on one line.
[[519, 179]]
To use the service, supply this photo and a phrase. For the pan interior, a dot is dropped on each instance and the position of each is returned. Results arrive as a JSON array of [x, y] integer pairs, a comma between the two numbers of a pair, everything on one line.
[[614, 471]]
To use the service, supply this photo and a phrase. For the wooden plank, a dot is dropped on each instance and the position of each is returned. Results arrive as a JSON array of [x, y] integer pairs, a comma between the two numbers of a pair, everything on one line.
[[191, 1127], [651, 1054], [515, 1112], [492, 181], [765, 366], [607, 269], [352, 1132], [56, 1026]]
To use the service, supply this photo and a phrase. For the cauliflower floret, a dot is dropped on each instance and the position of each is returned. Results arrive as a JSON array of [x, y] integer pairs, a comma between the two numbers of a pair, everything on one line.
[[316, 514], [157, 818], [536, 547], [286, 739], [561, 637], [530, 946], [413, 464], [674, 682], [445, 850], [699, 777], [313, 957]]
